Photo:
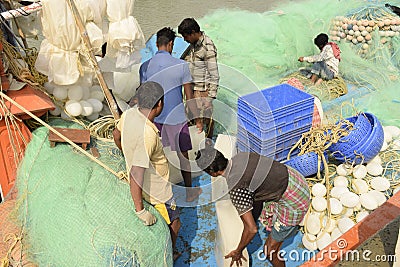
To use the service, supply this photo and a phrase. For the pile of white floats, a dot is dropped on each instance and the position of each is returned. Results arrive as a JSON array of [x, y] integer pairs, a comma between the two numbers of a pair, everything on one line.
[[353, 192], [79, 99], [362, 31]]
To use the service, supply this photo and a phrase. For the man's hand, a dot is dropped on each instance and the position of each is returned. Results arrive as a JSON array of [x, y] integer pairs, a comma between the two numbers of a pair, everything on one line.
[[301, 59], [146, 217], [236, 256], [208, 103], [199, 125]]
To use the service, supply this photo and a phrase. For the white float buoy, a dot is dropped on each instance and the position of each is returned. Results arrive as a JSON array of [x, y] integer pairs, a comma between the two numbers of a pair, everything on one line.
[[336, 234], [394, 130], [343, 170], [379, 196], [313, 224], [56, 111], [310, 245], [361, 215], [336, 206], [73, 107], [318, 190], [75, 92], [60, 92], [329, 224], [340, 181], [319, 203], [349, 199], [368, 201], [359, 171], [384, 146], [387, 134], [49, 86], [380, 183], [323, 240], [345, 224], [374, 168], [337, 191], [97, 105], [359, 186], [87, 108], [377, 160]]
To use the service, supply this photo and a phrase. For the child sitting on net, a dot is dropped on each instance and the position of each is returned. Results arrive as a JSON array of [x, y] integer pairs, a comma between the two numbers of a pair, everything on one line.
[[326, 63]]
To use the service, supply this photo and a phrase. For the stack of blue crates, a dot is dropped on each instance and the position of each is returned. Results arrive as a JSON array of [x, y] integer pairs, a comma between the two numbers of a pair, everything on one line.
[[271, 121]]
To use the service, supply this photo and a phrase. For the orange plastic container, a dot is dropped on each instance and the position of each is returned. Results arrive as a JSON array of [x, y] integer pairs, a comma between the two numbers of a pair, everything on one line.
[[13, 141]]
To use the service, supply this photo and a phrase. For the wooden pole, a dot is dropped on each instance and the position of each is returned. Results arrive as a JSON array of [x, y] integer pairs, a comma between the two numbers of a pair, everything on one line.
[[110, 100]]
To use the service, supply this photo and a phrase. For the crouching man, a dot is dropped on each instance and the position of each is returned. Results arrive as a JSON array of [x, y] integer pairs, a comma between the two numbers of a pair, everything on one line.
[[255, 182]]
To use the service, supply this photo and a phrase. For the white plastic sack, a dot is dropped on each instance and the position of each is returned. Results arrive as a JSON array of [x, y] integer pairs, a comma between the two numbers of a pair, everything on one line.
[[95, 36], [59, 25], [125, 37], [59, 65]]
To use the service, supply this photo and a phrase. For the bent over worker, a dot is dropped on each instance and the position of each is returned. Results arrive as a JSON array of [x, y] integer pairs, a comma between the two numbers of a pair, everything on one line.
[[254, 182]]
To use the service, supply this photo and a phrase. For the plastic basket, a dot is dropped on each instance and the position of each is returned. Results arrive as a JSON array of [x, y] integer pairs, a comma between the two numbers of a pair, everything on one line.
[[361, 131], [274, 129], [306, 164], [276, 154], [367, 149], [275, 99], [247, 137]]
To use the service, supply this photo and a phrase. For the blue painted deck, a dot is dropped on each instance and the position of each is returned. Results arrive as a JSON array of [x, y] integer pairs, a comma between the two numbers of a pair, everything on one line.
[[196, 238]]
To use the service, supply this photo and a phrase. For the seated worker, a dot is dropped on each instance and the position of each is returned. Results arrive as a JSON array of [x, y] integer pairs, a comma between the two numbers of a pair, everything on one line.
[[326, 63], [146, 162], [255, 182]]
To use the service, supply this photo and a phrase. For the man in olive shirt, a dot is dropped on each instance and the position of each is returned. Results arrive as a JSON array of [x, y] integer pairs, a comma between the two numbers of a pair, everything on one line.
[[145, 160], [257, 183], [202, 56]]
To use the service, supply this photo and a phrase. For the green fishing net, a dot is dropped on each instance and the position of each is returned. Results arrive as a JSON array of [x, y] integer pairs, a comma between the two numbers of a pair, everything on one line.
[[264, 48], [75, 213]]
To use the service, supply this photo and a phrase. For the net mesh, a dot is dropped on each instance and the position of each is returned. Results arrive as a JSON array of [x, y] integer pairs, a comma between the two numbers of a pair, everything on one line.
[[78, 214], [265, 47]]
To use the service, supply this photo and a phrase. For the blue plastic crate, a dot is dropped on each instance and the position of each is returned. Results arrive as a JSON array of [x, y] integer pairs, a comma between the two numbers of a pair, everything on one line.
[[251, 114], [277, 155], [275, 129], [274, 137], [275, 99], [283, 144], [286, 139]]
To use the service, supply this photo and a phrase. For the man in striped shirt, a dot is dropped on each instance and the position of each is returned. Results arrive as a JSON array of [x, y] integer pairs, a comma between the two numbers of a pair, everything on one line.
[[257, 183], [202, 56]]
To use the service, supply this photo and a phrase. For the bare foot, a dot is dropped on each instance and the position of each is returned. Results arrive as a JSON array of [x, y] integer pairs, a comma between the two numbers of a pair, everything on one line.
[[176, 255], [193, 193], [318, 82]]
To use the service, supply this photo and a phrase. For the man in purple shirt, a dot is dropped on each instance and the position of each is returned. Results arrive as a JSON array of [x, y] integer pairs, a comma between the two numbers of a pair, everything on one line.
[[172, 73]]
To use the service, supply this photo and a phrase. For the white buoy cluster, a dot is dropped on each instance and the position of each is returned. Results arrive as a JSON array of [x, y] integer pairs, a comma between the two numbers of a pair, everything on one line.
[[360, 32], [79, 99], [354, 191]]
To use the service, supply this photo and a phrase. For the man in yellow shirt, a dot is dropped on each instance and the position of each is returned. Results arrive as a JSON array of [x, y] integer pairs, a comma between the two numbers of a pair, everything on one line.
[[146, 162]]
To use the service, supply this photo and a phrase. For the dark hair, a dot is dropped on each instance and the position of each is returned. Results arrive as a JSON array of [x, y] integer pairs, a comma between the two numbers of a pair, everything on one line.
[[165, 35], [321, 40], [211, 160], [149, 94], [188, 26]]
